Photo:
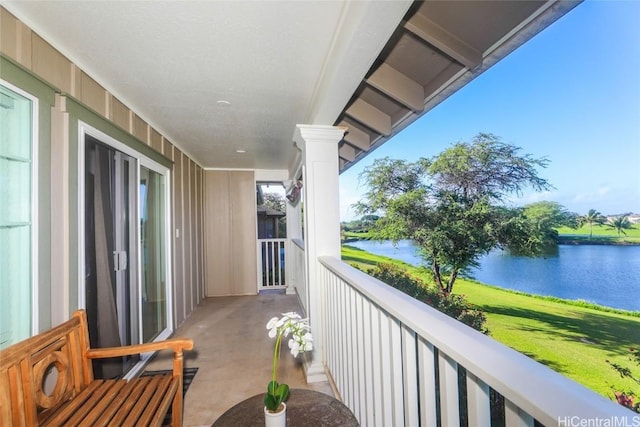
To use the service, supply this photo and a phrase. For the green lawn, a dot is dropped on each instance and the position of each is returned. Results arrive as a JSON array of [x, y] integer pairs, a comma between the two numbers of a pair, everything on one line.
[[356, 235], [569, 338], [601, 233]]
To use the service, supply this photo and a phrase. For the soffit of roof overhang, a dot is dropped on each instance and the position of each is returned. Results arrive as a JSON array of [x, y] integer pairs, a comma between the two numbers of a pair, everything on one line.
[[439, 47]]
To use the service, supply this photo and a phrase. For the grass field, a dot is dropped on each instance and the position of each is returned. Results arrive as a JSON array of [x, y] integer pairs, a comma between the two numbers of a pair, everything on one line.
[[572, 339], [601, 234]]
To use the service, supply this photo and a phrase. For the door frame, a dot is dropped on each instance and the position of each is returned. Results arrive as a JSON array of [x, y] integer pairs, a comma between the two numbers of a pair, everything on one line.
[[85, 129]]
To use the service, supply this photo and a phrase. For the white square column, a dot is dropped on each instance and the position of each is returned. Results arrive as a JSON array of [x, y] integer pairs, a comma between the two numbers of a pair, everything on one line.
[[319, 145]]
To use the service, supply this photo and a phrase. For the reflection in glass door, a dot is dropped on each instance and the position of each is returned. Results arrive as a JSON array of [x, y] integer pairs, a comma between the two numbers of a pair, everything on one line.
[[152, 253]]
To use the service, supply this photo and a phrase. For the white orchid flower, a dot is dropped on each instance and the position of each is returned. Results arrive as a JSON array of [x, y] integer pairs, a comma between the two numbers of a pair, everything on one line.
[[300, 341]]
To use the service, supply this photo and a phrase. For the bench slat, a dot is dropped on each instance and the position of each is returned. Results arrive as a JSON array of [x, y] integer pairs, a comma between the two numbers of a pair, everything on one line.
[[138, 387], [119, 399], [81, 411], [163, 406], [157, 387], [61, 414], [146, 393], [106, 402]]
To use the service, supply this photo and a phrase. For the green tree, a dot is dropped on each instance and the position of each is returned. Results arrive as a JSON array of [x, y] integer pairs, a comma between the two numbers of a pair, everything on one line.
[[592, 217], [449, 204], [538, 223], [619, 224], [274, 201]]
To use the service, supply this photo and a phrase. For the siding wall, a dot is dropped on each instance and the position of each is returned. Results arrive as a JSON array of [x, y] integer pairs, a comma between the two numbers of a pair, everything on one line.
[[27, 49], [230, 233]]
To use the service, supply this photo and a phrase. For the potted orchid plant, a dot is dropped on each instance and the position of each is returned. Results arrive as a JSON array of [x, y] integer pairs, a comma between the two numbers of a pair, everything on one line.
[[290, 324]]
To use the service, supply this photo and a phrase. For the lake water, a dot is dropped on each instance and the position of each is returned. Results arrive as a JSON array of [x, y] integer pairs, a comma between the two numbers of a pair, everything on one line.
[[606, 275]]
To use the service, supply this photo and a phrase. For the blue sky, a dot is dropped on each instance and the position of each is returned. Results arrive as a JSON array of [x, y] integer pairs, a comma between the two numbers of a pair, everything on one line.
[[571, 94]]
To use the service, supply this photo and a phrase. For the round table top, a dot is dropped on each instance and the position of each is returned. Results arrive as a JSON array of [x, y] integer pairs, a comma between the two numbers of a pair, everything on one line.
[[304, 408]]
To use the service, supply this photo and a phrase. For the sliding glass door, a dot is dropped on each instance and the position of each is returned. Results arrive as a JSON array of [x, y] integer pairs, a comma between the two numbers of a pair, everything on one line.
[[126, 291]]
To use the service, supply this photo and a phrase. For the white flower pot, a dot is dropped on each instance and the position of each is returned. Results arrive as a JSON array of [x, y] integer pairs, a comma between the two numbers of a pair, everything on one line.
[[276, 419]]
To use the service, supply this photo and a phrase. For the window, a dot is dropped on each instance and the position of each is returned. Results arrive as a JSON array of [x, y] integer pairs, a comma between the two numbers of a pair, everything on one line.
[[18, 118]]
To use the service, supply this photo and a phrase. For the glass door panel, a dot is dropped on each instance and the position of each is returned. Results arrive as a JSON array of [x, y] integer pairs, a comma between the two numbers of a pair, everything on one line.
[[153, 253]]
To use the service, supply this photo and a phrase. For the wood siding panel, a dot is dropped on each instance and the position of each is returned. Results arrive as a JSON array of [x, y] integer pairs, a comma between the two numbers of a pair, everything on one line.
[[167, 148], [194, 234], [178, 257], [217, 234], [188, 237], [230, 233], [93, 95], [24, 45], [140, 129], [15, 38], [243, 227], [76, 82], [8, 34], [120, 114], [200, 233], [156, 140], [50, 64]]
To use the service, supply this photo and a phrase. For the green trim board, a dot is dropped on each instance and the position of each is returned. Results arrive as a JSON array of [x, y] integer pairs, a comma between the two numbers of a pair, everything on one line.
[[79, 112]]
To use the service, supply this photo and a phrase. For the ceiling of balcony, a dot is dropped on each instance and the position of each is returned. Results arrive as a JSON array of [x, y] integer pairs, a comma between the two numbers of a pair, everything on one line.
[[218, 77]]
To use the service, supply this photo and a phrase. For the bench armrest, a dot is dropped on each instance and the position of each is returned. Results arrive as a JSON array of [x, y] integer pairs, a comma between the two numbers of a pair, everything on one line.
[[175, 344]]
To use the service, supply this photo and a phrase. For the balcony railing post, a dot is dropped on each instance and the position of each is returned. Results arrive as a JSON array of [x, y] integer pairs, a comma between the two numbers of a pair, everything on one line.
[[478, 401], [449, 407]]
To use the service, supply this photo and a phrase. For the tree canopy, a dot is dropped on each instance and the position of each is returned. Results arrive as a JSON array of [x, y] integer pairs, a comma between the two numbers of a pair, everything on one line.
[[450, 204], [619, 223], [274, 201], [536, 229], [592, 217]]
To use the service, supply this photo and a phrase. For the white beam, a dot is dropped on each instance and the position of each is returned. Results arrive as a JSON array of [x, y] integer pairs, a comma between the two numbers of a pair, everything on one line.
[[443, 40]]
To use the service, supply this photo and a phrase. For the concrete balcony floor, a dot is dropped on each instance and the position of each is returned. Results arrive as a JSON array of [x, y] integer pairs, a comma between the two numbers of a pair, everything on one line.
[[233, 354]]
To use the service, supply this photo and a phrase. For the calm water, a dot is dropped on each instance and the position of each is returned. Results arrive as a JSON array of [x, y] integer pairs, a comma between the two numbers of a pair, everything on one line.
[[606, 275]]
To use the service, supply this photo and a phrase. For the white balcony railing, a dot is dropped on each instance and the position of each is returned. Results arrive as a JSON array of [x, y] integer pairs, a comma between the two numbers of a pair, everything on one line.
[[396, 362], [271, 263], [299, 272]]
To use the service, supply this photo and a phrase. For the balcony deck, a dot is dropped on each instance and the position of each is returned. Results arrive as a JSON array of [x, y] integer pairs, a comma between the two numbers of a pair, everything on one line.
[[233, 354]]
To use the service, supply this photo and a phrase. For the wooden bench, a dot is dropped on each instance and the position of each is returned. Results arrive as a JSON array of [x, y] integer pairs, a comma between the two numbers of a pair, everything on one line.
[[77, 399]]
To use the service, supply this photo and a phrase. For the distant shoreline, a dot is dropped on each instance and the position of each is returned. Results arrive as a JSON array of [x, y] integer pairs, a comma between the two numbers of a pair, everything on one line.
[[573, 240], [562, 240]]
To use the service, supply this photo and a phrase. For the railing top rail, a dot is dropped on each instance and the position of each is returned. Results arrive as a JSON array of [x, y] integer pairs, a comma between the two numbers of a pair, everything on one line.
[[272, 240], [543, 393]]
